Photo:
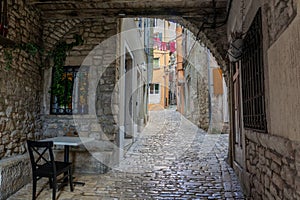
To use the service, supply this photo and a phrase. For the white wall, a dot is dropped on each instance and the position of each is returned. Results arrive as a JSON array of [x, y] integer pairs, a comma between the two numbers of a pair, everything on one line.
[[132, 43]]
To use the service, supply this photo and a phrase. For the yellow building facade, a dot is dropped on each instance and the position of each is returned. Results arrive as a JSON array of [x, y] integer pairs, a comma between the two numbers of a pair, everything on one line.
[[164, 46], [159, 88]]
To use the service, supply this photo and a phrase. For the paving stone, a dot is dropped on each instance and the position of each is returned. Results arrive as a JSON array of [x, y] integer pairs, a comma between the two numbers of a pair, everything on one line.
[[198, 172]]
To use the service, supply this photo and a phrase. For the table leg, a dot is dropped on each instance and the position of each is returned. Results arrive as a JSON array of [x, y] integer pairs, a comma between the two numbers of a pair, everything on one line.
[[66, 153], [66, 159]]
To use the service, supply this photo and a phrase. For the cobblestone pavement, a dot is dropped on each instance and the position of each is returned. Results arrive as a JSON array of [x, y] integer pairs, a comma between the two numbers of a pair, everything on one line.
[[171, 159]]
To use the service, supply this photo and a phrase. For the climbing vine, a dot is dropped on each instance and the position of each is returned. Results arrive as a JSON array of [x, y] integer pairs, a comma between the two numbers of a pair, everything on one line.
[[30, 48], [8, 57], [59, 55]]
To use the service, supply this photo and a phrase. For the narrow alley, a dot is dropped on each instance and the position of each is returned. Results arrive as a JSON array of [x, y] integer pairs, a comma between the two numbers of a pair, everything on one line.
[[94, 78], [171, 159]]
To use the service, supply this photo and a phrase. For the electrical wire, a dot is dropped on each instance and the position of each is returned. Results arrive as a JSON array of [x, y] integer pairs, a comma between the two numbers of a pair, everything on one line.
[[213, 25]]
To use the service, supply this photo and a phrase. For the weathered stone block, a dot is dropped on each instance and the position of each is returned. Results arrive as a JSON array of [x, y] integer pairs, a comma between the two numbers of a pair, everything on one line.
[[288, 175], [275, 167], [288, 193], [297, 184], [258, 186], [14, 174], [266, 182], [273, 157], [273, 191], [297, 160], [277, 180]]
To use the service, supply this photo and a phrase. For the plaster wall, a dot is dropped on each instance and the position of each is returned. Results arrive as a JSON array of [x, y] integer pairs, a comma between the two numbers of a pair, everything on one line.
[[132, 43], [284, 81]]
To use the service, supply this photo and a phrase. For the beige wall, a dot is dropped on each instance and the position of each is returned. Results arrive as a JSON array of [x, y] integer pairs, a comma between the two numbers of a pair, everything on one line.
[[284, 82], [281, 66], [159, 76]]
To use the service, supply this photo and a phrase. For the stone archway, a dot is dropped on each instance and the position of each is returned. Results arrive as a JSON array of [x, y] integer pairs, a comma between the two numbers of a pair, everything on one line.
[[97, 21], [206, 19]]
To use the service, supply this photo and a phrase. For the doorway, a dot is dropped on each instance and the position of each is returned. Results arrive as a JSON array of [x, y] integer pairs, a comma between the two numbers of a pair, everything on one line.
[[237, 122]]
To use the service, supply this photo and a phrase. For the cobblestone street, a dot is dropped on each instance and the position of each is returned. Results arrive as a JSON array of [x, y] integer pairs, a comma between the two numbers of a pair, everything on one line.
[[171, 159]]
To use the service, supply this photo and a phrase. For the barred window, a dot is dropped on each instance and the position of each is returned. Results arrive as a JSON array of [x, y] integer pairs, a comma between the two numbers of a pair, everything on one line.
[[254, 113], [72, 99]]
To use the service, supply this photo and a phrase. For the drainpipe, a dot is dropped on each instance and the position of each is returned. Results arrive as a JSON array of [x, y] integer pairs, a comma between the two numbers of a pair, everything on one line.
[[209, 88]]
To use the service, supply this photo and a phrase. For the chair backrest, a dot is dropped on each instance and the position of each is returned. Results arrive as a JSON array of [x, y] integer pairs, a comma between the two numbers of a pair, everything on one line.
[[41, 153]]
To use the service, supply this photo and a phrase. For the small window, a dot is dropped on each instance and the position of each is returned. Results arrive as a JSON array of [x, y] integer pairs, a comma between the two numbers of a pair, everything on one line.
[[71, 98], [154, 88], [155, 63]]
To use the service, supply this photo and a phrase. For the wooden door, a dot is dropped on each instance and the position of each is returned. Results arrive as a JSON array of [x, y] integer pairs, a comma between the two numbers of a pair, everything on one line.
[[237, 127]]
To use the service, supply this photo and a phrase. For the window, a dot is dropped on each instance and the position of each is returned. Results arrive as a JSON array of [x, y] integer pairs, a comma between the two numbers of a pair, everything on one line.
[[254, 113], [154, 88], [72, 99], [156, 63]]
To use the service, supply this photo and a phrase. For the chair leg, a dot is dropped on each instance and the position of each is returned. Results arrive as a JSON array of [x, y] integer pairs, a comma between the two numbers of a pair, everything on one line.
[[54, 188], [71, 180], [34, 188]]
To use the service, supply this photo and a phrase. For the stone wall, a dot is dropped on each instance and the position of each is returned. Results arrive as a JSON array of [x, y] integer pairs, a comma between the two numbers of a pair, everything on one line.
[[203, 107], [20, 81], [196, 76], [273, 167], [20, 96], [99, 54], [100, 57], [217, 99]]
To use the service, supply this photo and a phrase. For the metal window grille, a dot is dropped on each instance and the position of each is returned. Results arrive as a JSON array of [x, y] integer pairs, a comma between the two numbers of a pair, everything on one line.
[[74, 97], [254, 113]]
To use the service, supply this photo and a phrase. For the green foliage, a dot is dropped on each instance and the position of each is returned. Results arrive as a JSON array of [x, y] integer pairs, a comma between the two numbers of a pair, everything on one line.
[[30, 48], [8, 59], [59, 55]]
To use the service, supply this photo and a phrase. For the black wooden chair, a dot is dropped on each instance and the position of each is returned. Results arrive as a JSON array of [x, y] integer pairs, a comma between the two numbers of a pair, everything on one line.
[[44, 165]]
